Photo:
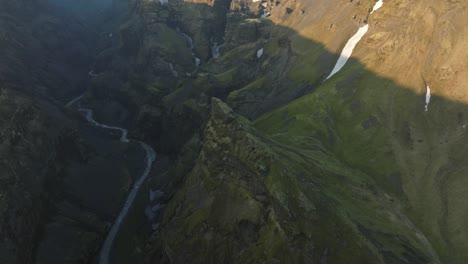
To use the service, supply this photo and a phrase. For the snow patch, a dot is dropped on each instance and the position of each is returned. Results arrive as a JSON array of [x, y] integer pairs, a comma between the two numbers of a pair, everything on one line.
[[164, 2], [428, 98], [348, 50], [351, 44], [377, 6], [260, 53]]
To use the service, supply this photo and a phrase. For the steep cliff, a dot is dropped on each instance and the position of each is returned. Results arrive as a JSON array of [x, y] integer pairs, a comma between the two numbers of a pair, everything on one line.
[[372, 115], [62, 181], [365, 165], [399, 169], [251, 199]]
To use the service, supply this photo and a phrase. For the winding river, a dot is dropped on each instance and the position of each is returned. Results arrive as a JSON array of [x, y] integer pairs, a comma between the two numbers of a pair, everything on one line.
[[149, 159]]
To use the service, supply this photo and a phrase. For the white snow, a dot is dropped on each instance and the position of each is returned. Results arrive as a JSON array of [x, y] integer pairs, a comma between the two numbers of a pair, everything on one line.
[[197, 61], [377, 6], [255, 1], [428, 98], [265, 4], [164, 2], [348, 50], [351, 44], [260, 53]]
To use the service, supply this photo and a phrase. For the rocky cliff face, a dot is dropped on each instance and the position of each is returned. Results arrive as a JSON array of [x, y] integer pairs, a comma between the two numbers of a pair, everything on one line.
[[244, 202], [29, 158], [367, 126], [44, 51], [58, 186], [293, 168]]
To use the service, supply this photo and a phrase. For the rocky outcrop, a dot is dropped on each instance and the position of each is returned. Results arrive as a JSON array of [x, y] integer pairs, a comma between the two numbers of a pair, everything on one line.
[[240, 30], [248, 199], [345, 170], [344, 120], [28, 160], [45, 51], [59, 189]]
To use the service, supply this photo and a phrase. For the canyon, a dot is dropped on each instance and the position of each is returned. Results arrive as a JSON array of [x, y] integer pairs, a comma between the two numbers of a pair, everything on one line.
[[233, 131]]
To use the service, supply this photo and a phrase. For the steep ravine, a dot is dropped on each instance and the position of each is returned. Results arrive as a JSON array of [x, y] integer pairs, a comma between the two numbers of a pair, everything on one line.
[[150, 155], [308, 138], [63, 181]]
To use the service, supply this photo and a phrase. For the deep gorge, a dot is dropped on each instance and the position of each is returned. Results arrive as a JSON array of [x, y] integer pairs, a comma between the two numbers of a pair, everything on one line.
[[266, 150]]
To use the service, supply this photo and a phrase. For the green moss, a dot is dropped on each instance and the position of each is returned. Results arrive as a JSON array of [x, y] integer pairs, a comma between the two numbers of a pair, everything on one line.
[[169, 44], [228, 76], [270, 245], [251, 87], [196, 218], [240, 52], [350, 157], [310, 67]]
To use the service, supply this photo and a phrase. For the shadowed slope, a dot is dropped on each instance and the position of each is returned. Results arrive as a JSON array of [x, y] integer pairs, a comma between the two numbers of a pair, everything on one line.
[[352, 171], [384, 162]]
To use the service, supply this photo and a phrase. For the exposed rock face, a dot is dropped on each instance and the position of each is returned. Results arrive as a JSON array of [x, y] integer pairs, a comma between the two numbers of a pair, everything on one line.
[[249, 199], [29, 141], [370, 116], [44, 50], [230, 206], [59, 189], [345, 170], [240, 30]]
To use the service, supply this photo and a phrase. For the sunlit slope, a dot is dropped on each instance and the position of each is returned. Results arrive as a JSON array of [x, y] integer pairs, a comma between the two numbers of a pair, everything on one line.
[[370, 116], [253, 200]]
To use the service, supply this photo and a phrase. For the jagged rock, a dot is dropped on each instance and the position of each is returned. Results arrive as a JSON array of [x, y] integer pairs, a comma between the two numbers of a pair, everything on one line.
[[350, 170], [228, 201], [240, 29]]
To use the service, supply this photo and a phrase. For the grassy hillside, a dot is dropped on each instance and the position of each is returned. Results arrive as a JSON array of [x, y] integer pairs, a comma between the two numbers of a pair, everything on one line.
[[377, 135]]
